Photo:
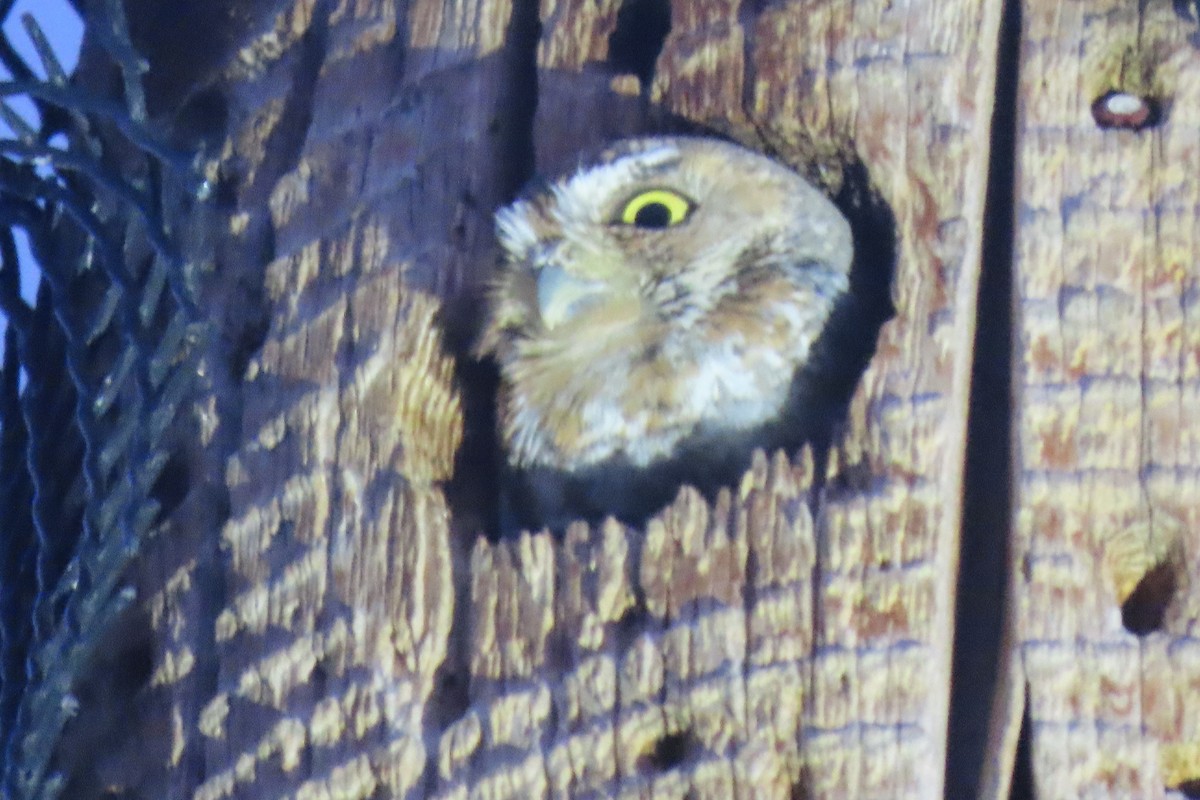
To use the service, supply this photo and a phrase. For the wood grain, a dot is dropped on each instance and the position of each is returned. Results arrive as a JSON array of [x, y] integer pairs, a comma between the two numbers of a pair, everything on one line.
[[300, 634], [324, 617], [1108, 369], [765, 653], [742, 649]]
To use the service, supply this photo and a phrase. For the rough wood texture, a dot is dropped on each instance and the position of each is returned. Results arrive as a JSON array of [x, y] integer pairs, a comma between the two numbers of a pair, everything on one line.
[[324, 619], [783, 654], [302, 602], [1107, 424], [335, 638]]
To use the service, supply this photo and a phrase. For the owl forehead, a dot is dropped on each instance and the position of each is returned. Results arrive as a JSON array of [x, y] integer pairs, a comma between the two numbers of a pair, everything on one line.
[[750, 186], [707, 171], [588, 198], [595, 191]]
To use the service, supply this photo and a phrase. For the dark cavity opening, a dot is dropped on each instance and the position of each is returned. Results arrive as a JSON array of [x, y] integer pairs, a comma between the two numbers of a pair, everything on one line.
[[669, 752], [634, 45], [820, 393], [848, 343], [1144, 608]]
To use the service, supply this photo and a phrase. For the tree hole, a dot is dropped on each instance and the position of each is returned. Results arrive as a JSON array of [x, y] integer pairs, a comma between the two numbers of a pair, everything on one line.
[[634, 45], [812, 413], [631, 625], [1146, 606], [1127, 110], [841, 354], [669, 752]]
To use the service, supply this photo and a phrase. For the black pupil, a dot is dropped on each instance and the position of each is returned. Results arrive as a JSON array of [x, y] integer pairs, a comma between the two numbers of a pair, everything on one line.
[[652, 215]]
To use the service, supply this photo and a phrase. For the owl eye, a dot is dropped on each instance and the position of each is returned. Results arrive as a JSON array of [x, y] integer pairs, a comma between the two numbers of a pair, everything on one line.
[[656, 208]]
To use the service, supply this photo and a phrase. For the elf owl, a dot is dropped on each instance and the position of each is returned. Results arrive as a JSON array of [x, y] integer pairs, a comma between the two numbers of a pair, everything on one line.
[[653, 320]]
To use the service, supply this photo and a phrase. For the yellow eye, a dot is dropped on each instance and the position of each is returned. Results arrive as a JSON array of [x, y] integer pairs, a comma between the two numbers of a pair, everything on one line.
[[656, 208]]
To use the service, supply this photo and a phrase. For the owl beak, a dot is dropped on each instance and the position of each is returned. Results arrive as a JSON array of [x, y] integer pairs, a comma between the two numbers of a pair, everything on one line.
[[561, 297]]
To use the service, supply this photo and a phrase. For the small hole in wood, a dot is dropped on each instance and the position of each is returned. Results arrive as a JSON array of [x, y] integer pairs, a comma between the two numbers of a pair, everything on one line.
[[1125, 110], [631, 625], [1144, 608], [669, 752], [634, 45], [450, 698]]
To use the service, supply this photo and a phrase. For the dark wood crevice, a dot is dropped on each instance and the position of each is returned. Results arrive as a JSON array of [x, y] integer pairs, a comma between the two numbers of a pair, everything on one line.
[[984, 558]]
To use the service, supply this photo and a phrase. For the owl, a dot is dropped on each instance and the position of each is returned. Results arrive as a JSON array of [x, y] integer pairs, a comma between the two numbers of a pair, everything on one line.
[[654, 319]]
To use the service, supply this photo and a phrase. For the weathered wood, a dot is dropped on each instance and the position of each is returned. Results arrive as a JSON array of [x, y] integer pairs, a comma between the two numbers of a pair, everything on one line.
[[336, 639], [1107, 359], [302, 597], [324, 618], [828, 677]]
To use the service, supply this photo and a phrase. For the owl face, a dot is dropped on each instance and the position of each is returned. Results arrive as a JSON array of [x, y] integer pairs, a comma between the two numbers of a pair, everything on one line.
[[669, 291]]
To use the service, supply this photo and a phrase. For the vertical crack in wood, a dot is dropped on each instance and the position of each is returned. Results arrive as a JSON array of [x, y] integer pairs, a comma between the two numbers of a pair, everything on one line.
[[474, 487], [520, 43], [979, 662]]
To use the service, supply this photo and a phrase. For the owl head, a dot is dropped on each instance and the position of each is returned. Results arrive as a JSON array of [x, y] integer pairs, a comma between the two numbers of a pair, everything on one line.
[[661, 296]]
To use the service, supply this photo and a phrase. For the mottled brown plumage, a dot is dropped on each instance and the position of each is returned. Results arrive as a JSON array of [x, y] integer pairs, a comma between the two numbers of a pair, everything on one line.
[[650, 319]]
